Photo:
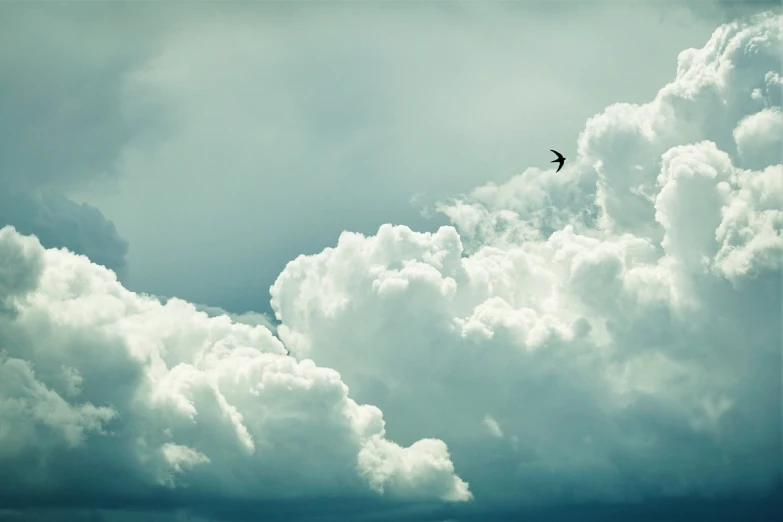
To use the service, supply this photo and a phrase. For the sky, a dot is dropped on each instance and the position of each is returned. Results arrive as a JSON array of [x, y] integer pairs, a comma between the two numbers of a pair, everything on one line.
[[311, 261]]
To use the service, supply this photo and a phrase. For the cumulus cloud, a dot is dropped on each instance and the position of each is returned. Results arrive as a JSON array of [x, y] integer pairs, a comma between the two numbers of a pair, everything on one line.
[[759, 136], [610, 332], [621, 320], [161, 401]]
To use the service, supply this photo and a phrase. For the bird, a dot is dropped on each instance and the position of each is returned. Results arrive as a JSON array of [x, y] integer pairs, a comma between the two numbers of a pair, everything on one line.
[[560, 159]]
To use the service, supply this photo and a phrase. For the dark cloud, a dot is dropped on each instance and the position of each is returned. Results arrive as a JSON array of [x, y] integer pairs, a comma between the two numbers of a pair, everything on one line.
[[759, 509], [59, 222], [62, 125]]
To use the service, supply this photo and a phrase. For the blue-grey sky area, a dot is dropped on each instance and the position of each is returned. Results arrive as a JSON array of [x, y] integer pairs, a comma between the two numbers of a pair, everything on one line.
[[311, 261], [194, 127]]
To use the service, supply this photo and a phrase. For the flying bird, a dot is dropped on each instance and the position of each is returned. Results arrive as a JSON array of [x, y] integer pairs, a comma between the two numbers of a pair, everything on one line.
[[560, 159]]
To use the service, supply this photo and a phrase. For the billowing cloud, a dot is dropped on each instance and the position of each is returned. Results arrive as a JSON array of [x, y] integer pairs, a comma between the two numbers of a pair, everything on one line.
[[759, 136], [163, 402], [611, 332]]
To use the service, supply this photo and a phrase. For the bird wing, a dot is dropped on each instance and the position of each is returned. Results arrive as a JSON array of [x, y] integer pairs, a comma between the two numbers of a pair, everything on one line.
[[559, 156]]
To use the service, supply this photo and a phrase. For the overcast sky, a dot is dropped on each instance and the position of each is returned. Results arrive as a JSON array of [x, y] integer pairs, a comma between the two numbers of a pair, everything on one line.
[[460, 333]]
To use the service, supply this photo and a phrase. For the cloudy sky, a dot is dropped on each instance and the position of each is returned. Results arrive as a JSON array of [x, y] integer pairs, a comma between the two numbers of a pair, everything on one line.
[[311, 261]]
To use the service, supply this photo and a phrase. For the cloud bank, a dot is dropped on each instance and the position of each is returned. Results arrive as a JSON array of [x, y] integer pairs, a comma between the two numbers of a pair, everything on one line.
[[608, 333], [611, 332], [161, 400]]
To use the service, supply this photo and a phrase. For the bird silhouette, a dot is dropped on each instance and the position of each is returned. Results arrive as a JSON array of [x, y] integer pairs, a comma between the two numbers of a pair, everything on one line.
[[560, 159]]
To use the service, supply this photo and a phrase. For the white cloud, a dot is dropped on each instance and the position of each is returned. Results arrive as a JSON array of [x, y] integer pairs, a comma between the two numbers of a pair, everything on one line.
[[621, 319], [759, 138], [164, 396], [493, 427]]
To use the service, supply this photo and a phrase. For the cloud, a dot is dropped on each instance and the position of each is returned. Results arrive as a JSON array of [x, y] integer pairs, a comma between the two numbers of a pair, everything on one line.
[[160, 401], [758, 137], [61, 123], [621, 319], [249, 318], [674, 510], [607, 333], [60, 116], [59, 222], [721, 10]]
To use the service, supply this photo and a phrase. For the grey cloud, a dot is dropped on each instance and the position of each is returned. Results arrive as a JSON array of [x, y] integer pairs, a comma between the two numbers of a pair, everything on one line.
[[750, 509], [20, 269], [61, 123], [61, 223]]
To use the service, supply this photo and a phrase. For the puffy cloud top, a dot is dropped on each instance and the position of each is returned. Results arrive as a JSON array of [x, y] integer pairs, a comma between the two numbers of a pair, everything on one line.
[[152, 397]]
